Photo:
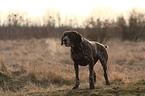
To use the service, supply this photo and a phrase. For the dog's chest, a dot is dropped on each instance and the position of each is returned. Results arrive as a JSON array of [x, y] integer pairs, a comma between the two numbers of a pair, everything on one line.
[[81, 56]]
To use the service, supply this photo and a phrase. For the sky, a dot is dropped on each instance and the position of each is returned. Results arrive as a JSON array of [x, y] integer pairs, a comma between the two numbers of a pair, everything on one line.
[[77, 7]]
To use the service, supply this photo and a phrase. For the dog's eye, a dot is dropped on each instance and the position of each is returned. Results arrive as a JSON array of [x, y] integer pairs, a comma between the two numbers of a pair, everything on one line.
[[64, 40]]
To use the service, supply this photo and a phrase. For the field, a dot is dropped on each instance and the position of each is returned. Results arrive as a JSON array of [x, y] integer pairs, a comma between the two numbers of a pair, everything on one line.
[[44, 67]]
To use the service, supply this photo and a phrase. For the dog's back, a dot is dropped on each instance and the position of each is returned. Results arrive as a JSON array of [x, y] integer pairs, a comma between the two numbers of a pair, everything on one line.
[[98, 50]]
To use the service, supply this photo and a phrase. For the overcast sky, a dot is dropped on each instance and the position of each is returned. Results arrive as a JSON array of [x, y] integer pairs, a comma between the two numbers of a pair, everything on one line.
[[79, 7], [77, 10]]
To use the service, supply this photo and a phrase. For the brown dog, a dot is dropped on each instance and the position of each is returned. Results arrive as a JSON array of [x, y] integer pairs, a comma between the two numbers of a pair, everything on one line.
[[85, 52]]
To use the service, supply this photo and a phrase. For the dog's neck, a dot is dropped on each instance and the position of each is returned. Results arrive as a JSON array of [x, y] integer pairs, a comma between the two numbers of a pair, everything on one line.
[[77, 47]]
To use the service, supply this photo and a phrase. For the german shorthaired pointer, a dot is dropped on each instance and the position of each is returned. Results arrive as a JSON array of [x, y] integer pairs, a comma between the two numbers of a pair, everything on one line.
[[85, 52]]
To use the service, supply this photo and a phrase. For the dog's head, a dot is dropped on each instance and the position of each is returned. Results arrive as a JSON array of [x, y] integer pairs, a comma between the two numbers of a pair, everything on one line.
[[71, 38]]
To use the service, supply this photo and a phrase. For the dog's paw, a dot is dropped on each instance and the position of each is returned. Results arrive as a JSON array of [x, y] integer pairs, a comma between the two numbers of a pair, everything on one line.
[[76, 87], [92, 87], [107, 84]]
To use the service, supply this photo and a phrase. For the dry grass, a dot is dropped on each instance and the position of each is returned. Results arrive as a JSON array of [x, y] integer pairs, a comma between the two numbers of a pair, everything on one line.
[[42, 64]]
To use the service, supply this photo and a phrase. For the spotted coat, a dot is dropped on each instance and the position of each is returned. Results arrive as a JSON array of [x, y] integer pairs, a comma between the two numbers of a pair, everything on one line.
[[85, 52]]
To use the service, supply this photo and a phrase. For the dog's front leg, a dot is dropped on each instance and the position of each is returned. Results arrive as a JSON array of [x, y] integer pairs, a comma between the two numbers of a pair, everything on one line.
[[77, 76], [91, 76]]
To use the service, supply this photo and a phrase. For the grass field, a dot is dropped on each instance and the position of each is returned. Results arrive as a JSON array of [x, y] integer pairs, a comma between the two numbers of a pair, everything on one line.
[[44, 67]]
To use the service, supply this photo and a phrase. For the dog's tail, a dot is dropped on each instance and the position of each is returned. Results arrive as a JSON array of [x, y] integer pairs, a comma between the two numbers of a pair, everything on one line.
[[106, 46]]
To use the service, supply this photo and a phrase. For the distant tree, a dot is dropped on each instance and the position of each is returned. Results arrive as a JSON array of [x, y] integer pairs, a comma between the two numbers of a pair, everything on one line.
[[135, 29], [123, 27], [97, 29]]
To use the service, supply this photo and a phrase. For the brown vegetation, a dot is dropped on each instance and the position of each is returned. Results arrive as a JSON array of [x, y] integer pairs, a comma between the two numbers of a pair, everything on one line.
[[32, 65], [132, 29]]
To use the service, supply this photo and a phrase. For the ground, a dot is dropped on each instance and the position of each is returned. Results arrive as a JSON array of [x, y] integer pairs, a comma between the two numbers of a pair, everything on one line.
[[44, 67]]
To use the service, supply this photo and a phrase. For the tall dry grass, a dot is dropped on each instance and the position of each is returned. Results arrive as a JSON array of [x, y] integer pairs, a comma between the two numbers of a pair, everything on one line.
[[43, 64]]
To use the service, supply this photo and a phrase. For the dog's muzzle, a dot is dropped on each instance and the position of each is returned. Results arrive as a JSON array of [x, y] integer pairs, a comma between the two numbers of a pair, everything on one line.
[[66, 42], [67, 45]]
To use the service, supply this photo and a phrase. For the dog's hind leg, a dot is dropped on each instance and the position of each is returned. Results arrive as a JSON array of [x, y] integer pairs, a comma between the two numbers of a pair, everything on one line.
[[105, 73], [94, 76], [96, 59], [103, 59]]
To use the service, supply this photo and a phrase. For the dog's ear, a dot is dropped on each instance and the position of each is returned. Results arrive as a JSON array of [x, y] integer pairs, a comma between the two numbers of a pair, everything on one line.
[[62, 40], [78, 37], [62, 37]]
